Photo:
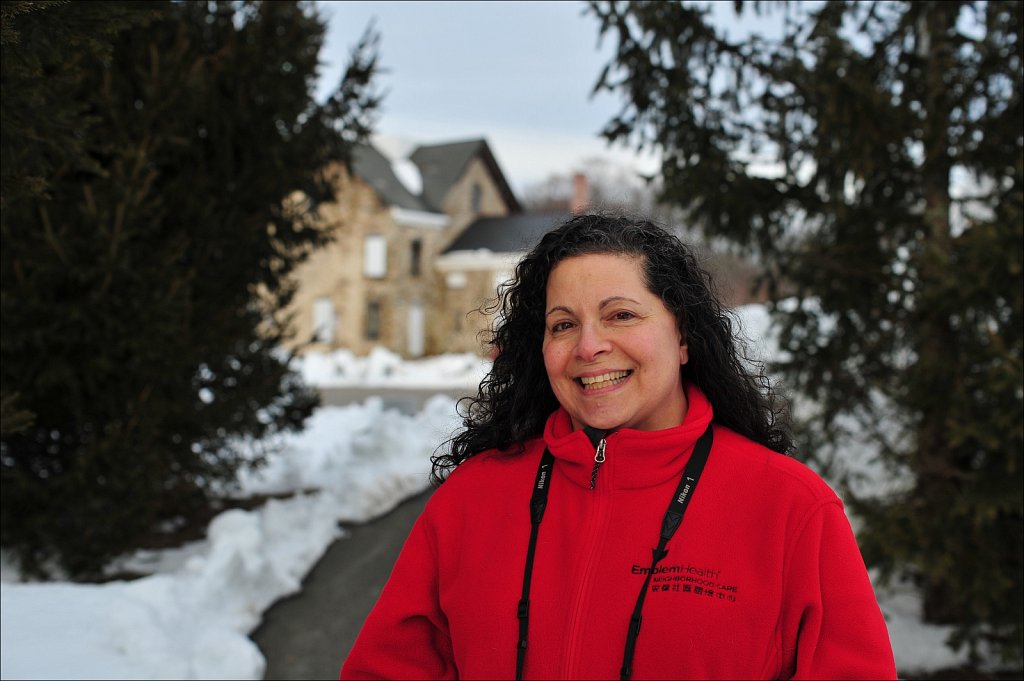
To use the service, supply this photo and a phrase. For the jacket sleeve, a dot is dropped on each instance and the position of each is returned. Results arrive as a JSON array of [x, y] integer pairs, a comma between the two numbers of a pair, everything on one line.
[[406, 634], [832, 627]]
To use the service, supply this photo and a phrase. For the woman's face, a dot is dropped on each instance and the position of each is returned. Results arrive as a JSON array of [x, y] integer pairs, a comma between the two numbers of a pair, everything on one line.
[[612, 349]]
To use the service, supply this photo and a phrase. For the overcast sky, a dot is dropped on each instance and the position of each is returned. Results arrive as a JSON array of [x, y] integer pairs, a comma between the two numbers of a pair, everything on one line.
[[518, 74]]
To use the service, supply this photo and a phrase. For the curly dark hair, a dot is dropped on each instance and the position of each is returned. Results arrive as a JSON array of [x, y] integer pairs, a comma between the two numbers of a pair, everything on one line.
[[515, 397]]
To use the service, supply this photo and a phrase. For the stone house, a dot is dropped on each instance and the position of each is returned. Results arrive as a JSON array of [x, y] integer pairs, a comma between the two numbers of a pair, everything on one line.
[[409, 264], [421, 248]]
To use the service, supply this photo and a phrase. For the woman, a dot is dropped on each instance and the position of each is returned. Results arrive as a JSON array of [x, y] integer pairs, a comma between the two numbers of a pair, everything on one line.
[[618, 392]]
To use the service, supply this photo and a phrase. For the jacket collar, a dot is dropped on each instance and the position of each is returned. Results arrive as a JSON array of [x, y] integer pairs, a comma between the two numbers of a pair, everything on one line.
[[633, 458]]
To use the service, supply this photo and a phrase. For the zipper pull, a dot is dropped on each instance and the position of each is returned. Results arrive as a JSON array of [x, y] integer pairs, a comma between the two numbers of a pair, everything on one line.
[[598, 460]]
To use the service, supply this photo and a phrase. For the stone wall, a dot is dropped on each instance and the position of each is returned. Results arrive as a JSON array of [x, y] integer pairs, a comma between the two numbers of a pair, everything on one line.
[[465, 313], [336, 273], [458, 204]]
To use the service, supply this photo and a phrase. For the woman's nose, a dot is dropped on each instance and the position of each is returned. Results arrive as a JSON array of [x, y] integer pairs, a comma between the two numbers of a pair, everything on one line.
[[591, 342]]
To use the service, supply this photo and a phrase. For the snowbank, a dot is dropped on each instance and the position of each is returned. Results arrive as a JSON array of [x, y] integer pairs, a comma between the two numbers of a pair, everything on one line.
[[383, 368], [191, 618]]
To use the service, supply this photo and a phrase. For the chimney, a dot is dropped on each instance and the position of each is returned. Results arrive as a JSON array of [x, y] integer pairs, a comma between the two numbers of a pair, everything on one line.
[[580, 194]]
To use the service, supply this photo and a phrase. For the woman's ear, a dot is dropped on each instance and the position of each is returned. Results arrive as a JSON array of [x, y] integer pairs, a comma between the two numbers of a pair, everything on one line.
[[684, 353]]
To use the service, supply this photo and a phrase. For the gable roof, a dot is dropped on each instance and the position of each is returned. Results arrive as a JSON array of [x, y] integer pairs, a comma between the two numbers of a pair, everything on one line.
[[441, 166], [507, 234], [375, 168]]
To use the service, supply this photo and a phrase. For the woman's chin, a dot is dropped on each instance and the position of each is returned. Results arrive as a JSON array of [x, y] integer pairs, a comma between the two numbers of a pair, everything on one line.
[[598, 421]]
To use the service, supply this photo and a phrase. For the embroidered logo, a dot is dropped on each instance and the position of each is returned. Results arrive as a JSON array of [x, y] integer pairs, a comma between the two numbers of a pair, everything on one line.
[[703, 581]]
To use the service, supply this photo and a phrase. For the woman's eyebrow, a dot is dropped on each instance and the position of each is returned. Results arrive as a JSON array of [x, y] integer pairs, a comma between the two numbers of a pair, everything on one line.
[[616, 299], [558, 308], [603, 304]]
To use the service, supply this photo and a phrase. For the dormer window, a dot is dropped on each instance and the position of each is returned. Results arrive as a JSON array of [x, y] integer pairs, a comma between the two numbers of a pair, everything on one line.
[[476, 194]]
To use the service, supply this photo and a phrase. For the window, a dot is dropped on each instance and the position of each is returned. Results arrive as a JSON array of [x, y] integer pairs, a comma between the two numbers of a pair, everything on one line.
[[373, 320], [475, 196], [417, 330], [375, 256], [324, 320], [456, 280], [415, 256]]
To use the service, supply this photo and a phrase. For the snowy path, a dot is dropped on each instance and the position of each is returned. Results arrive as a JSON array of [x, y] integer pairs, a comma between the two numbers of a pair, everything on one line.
[[309, 635], [408, 401]]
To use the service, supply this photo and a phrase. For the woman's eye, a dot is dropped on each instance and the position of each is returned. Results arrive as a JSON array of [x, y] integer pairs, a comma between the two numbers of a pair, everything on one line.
[[623, 316], [561, 326]]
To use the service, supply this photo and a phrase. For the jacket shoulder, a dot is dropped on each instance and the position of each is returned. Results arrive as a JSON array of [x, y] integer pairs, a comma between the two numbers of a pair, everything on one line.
[[492, 473], [773, 468]]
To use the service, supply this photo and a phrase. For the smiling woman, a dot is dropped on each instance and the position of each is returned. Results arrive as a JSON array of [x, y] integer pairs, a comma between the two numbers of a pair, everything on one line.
[[618, 389], [612, 350]]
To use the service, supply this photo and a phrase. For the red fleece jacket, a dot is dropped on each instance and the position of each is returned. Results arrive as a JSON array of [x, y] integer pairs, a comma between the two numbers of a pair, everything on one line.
[[763, 580]]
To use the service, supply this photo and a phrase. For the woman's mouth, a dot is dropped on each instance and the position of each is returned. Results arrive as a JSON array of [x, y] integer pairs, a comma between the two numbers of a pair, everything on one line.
[[605, 380]]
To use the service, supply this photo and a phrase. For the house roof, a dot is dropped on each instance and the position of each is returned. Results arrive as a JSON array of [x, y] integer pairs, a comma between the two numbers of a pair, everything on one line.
[[441, 166], [510, 233], [375, 168]]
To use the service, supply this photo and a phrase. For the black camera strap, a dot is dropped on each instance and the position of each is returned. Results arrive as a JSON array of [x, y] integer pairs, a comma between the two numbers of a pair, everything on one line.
[[538, 502], [669, 524]]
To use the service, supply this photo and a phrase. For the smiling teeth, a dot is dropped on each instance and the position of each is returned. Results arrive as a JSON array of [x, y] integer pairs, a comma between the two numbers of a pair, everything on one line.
[[604, 380]]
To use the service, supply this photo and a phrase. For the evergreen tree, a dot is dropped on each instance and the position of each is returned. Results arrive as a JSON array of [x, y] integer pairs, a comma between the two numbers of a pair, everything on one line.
[[871, 156], [161, 167]]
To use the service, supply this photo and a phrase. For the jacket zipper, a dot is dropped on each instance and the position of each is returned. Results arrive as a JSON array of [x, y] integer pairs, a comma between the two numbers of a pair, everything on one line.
[[598, 460], [594, 534]]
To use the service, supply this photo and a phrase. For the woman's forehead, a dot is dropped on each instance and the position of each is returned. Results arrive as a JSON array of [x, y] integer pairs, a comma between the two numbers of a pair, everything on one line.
[[597, 280]]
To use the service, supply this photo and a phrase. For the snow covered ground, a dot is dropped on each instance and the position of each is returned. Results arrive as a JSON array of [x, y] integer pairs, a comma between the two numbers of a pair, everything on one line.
[[384, 369], [190, 618]]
